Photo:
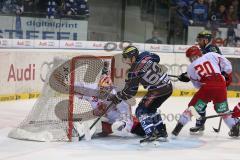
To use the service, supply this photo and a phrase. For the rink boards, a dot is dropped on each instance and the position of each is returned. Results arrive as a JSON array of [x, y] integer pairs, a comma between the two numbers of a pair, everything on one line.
[[23, 68]]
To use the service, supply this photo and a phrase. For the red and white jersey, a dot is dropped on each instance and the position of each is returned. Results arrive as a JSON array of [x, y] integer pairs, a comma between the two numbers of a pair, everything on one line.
[[207, 65], [123, 110]]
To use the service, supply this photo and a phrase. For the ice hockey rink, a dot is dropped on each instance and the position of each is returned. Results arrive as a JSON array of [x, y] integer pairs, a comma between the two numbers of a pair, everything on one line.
[[209, 146]]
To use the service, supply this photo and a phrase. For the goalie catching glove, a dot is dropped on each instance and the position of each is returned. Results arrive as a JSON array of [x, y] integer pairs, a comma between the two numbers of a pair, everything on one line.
[[183, 77]]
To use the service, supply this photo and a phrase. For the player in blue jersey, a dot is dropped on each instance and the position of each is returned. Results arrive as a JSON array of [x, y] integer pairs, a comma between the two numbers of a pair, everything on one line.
[[146, 70], [205, 42]]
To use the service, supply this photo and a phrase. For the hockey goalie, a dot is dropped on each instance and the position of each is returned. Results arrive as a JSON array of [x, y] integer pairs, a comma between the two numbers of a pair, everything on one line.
[[117, 120]]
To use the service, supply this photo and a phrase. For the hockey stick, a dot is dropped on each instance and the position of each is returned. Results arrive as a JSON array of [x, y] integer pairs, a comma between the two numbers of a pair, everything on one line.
[[197, 116], [173, 76], [219, 126], [96, 121], [217, 115]]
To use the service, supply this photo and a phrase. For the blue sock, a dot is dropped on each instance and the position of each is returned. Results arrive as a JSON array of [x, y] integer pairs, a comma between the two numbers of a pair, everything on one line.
[[147, 124]]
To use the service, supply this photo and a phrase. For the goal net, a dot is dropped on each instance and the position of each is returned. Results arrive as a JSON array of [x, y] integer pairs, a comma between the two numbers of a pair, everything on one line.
[[59, 105]]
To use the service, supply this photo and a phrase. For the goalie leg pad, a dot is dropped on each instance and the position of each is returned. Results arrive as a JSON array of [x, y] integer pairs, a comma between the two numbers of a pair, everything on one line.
[[122, 128]]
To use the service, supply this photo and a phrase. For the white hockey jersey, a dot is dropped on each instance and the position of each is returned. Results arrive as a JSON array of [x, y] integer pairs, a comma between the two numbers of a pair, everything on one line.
[[122, 111], [206, 65]]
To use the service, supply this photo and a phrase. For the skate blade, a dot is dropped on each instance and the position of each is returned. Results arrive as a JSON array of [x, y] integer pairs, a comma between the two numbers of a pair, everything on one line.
[[173, 136], [149, 144], [199, 133], [162, 139]]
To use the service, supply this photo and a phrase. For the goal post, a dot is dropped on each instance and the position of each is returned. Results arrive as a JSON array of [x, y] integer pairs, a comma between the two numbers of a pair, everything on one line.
[[59, 105]]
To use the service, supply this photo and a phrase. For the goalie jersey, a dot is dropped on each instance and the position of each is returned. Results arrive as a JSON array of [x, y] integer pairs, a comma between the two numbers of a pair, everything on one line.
[[122, 111]]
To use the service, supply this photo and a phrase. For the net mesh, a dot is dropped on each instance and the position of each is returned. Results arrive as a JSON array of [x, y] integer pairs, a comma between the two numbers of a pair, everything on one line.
[[58, 106]]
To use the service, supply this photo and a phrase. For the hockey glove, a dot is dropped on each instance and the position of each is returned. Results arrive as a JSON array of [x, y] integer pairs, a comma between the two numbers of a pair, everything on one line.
[[236, 111], [183, 77], [228, 77], [115, 99]]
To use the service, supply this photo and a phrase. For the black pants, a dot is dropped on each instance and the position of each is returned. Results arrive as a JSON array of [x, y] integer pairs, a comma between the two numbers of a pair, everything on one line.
[[153, 100]]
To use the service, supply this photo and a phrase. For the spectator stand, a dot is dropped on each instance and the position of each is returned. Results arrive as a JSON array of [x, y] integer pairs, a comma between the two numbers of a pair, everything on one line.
[[199, 12], [70, 9], [75, 9], [10, 7], [180, 15]]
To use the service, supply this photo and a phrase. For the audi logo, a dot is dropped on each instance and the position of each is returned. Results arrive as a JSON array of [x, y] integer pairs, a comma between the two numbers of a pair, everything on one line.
[[176, 69]]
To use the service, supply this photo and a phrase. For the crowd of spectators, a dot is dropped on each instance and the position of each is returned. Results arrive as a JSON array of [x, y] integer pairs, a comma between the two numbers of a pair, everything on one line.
[[48, 8], [202, 12], [211, 14]]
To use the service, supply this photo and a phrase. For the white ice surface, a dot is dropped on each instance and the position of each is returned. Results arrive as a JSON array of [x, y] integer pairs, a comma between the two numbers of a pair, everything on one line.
[[210, 146]]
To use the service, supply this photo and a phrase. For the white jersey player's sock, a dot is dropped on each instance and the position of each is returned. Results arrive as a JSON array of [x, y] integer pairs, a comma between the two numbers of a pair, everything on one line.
[[230, 122], [185, 117]]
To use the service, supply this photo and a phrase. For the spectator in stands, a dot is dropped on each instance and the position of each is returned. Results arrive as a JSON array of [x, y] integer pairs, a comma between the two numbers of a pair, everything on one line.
[[183, 9], [236, 4], [41, 5], [51, 9], [231, 15], [1, 5], [200, 12], [237, 34], [155, 37], [76, 7], [212, 5], [7, 6], [219, 17], [18, 7], [12, 7], [231, 37], [28, 5]]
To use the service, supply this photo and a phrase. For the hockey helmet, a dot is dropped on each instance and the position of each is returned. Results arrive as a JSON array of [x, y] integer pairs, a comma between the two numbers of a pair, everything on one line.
[[205, 34], [105, 86], [193, 51], [130, 51]]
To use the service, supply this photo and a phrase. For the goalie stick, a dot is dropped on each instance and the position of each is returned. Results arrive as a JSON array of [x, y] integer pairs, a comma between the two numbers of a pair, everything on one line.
[[95, 122]]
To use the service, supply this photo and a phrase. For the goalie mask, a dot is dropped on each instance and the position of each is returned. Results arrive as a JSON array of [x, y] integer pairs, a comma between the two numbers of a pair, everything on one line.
[[105, 86]]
